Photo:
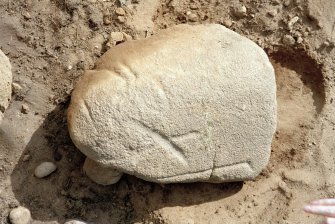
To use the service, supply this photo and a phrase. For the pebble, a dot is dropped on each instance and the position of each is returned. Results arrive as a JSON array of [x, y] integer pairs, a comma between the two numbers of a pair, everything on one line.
[[24, 108], [120, 11], [75, 222], [20, 215], [292, 21], [193, 6], [287, 2], [240, 11], [127, 37], [300, 40], [276, 2], [45, 169], [16, 87], [115, 37], [227, 23], [192, 17], [107, 20], [272, 13], [26, 15], [288, 40], [121, 19]]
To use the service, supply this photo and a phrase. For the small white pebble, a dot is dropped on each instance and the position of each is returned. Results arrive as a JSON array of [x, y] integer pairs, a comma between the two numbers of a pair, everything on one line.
[[300, 40], [20, 215], [227, 23], [45, 169], [69, 67], [16, 87], [292, 21], [75, 222], [240, 11], [192, 17], [121, 19]]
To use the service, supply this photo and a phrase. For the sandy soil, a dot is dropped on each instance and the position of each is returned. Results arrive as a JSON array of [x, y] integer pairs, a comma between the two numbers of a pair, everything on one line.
[[51, 42]]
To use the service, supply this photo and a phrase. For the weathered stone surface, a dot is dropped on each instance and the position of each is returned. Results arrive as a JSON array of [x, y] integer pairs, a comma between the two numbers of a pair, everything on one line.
[[5, 83], [20, 215], [192, 103]]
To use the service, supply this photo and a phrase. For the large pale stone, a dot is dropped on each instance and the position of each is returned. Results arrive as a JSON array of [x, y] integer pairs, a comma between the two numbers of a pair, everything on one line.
[[5, 83], [192, 103]]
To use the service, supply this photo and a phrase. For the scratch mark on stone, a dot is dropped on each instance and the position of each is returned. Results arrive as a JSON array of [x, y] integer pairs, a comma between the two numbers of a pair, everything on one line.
[[163, 140]]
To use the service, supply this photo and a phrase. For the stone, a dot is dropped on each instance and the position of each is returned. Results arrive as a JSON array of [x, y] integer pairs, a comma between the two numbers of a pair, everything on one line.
[[292, 21], [192, 17], [45, 169], [120, 11], [191, 103], [16, 88], [20, 215], [288, 40], [5, 83], [75, 222], [240, 11], [121, 19], [93, 170]]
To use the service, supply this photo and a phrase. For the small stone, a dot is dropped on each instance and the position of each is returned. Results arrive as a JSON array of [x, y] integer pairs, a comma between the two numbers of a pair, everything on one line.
[[16, 88], [26, 158], [288, 40], [45, 169], [192, 17], [126, 37], [75, 222], [272, 13], [20, 215], [121, 19], [107, 20], [69, 67], [300, 40], [26, 15], [24, 109], [292, 21], [240, 11], [51, 97], [326, 44], [115, 37], [193, 6], [120, 11], [227, 23], [287, 2], [276, 2]]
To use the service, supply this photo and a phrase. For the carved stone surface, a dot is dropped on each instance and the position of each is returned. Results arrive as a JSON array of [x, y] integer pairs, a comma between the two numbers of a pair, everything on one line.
[[5, 83], [192, 103]]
